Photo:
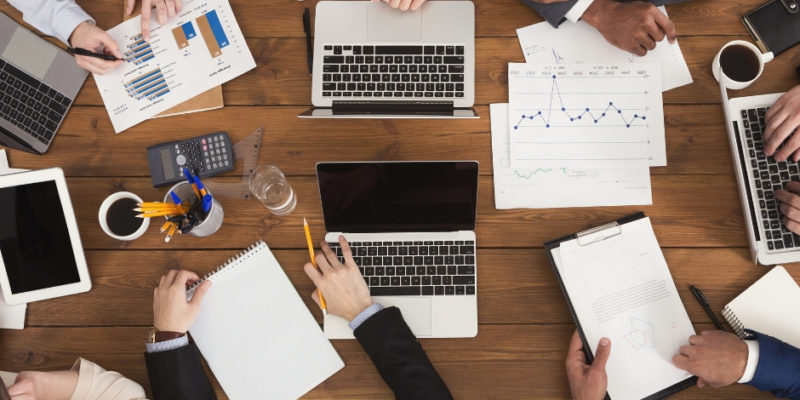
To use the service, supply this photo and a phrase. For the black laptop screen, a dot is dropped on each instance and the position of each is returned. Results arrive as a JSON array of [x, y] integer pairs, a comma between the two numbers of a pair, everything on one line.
[[398, 196]]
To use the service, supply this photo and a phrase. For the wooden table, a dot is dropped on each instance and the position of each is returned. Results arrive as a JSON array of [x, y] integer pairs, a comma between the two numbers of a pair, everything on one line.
[[524, 323]]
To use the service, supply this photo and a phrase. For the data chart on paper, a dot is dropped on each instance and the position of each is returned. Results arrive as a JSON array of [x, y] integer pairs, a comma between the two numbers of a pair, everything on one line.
[[200, 48], [585, 115]]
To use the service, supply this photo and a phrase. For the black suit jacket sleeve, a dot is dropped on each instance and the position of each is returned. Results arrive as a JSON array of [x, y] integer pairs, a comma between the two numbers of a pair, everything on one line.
[[178, 375], [555, 13], [399, 357]]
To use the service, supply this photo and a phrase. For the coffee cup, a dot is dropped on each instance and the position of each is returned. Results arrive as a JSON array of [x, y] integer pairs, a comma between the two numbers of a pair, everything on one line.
[[740, 63], [117, 218]]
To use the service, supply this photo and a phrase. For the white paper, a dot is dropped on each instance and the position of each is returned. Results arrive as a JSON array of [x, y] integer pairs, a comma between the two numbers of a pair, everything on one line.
[[585, 115], [560, 186], [257, 335], [8, 378], [621, 288], [581, 43], [11, 317], [182, 60]]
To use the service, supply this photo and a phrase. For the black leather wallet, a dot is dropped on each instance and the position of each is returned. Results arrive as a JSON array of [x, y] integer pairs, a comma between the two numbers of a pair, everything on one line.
[[775, 26]]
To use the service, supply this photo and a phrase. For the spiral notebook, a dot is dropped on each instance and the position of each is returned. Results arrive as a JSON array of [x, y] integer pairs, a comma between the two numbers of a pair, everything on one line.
[[768, 306], [256, 334]]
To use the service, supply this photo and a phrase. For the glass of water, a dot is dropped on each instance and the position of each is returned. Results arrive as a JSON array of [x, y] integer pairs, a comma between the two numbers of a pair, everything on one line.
[[270, 186]]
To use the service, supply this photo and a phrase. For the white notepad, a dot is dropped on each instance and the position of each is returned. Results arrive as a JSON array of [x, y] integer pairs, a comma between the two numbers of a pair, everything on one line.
[[256, 333], [768, 306]]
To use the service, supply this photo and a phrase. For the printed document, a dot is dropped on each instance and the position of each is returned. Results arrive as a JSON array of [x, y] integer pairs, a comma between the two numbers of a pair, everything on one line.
[[621, 288], [200, 48], [581, 43], [560, 186]]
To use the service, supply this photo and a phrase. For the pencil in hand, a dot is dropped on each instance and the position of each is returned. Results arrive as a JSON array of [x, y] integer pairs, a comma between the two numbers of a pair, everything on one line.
[[314, 262]]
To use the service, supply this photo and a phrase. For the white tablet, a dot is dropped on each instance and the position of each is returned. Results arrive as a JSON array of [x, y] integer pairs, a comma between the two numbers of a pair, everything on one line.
[[41, 255]]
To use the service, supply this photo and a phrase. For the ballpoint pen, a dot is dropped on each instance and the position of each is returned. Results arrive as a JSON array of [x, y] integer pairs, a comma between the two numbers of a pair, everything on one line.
[[309, 45], [704, 303], [83, 52]]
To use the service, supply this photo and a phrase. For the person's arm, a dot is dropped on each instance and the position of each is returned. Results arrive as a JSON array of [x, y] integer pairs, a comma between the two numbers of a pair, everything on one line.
[[382, 333], [96, 383], [778, 367], [587, 381], [173, 364]]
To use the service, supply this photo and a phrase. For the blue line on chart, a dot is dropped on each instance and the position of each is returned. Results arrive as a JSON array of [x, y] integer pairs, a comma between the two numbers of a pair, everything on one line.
[[554, 89]]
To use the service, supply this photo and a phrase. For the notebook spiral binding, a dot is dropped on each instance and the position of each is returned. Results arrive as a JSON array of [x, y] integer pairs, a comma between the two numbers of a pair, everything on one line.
[[734, 322], [244, 254]]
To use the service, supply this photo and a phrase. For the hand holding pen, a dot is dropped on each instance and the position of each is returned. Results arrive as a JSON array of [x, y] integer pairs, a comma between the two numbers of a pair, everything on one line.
[[87, 36]]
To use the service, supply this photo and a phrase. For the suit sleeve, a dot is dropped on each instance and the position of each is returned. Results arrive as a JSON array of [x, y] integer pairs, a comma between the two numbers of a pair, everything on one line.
[[554, 13], [778, 370], [399, 357], [178, 375]]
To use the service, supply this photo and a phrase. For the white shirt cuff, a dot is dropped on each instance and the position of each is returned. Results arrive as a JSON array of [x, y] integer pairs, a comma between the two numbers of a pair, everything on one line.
[[752, 361], [576, 12], [68, 19], [364, 315], [167, 345]]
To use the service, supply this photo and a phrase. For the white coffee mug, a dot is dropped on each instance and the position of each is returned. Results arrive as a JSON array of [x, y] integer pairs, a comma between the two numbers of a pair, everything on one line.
[[104, 210], [730, 83]]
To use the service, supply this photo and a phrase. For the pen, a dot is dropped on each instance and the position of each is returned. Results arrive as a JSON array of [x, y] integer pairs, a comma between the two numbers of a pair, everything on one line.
[[83, 52], [314, 263], [191, 181], [309, 47], [703, 302], [206, 196]]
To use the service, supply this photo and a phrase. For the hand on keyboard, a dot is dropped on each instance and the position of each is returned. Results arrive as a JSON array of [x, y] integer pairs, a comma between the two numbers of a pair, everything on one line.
[[342, 285], [782, 121], [404, 4], [790, 206]]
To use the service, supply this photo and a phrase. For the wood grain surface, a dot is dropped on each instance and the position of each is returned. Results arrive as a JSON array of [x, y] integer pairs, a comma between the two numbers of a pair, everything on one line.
[[524, 323]]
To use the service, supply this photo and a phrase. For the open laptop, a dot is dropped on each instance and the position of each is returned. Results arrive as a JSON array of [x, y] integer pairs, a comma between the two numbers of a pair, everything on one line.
[[411, 228], [758, 177], [374, 61], [38, 82]]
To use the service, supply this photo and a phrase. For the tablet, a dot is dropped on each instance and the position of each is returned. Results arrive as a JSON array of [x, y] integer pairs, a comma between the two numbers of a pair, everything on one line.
[[41, 255]]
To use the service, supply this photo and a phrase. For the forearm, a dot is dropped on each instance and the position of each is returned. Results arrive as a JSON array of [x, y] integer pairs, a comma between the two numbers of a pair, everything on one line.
[[96, 383], [56, 18]]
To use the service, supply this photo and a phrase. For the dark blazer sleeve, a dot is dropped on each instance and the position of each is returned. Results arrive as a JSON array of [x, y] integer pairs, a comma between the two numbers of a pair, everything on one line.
[[778, 369], [555, 13], [178, 375], [399, 357]]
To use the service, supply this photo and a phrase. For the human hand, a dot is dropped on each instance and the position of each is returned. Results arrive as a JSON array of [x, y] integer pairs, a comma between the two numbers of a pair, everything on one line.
[[782, 121], [717, 358], [790, 205], [587, 382], [165, 9], [345, 292], [634, 26], [87, 36], [34, 385], [171, 311], [403, 5]]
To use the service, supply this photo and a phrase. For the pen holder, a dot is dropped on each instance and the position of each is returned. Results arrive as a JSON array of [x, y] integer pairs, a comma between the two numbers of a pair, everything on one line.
[[212, 221]]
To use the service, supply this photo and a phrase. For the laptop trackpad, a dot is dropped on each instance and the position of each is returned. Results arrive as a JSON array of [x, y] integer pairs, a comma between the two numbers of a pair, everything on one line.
[[385, 23], [416, 312]]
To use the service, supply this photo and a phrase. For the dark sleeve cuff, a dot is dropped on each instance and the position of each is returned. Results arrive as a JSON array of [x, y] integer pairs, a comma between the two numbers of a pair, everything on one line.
[[178, 375]]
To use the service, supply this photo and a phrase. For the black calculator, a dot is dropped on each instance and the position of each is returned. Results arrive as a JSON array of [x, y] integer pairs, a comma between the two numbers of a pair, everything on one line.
[[205, 155]]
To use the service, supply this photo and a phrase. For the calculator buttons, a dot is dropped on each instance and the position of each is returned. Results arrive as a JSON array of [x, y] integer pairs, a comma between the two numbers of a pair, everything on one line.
[[181, 159]]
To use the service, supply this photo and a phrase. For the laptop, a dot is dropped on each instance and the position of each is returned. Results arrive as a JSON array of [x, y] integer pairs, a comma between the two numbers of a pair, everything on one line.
[[38, 82], [410, 226], [758, 177], [374, 61]]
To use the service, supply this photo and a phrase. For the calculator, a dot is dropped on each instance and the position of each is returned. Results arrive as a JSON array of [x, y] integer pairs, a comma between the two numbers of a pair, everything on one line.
[[206, 155]]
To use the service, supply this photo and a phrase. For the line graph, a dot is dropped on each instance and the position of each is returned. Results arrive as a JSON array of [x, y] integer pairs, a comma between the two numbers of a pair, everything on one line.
[[585, 115]]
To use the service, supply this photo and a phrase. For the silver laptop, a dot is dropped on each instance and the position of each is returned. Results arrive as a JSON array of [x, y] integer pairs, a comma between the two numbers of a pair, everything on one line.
[[373, 61], [758, 177], [38, 82], [411, 228]]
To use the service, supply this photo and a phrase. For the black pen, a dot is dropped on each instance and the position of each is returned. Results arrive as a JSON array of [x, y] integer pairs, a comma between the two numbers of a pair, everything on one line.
[[83, 52], [703, 302], [309, 45]]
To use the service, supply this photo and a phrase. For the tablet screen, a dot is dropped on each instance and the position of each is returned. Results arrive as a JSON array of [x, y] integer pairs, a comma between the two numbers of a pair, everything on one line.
[[34, 238]]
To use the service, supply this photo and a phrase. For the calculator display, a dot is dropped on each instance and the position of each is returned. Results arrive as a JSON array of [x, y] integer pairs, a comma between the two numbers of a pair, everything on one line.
[[167, 164]]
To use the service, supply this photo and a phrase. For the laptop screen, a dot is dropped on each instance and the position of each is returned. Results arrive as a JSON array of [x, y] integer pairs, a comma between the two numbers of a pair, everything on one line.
[[398, 196]]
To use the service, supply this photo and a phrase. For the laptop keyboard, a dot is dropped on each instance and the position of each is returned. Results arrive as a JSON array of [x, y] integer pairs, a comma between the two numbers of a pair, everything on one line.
[[429, 268], [30, 104], [769, 175], [413, 71]]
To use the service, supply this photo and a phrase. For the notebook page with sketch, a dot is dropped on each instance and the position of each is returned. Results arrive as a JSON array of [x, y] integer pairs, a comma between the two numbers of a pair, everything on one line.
[[258, 337], [768, 306], [620, 287]]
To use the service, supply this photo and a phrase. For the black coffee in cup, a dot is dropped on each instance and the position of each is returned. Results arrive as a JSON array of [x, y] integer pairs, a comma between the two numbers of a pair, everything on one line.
[[740, 63], [121, 219]]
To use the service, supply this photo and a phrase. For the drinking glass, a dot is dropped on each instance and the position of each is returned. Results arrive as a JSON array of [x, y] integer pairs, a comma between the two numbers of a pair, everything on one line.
[[270, 186]]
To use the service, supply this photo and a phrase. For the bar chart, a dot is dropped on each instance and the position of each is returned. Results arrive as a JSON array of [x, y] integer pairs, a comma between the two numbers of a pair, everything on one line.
[[138, 50], [213, 33], [148, 86], [183, 33]]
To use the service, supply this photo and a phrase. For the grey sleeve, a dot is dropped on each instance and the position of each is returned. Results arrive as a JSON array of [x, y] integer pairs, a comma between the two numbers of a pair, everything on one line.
[[553, 13]]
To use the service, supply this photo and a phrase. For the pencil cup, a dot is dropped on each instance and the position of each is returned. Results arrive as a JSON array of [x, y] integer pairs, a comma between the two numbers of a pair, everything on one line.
[[213, 220]]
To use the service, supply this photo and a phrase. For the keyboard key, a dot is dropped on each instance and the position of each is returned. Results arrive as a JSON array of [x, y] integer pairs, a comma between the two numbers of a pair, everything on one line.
[[333, 59], [463, 280], [395, 281], [459, 290], [439, 290], [399, 291], [427, 290], [415, 281], [453, 59], [398, 50], [466, 270], [385, 281], [426, 280], [449, 290]]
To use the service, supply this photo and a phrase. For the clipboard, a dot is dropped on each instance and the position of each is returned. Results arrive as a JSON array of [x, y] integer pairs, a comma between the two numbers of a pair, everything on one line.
[[587, 238]]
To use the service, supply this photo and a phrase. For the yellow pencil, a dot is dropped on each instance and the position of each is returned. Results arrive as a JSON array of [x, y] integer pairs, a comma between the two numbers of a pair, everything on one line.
[[155, 214], [314, 262], [171, 232], [165, 226]]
